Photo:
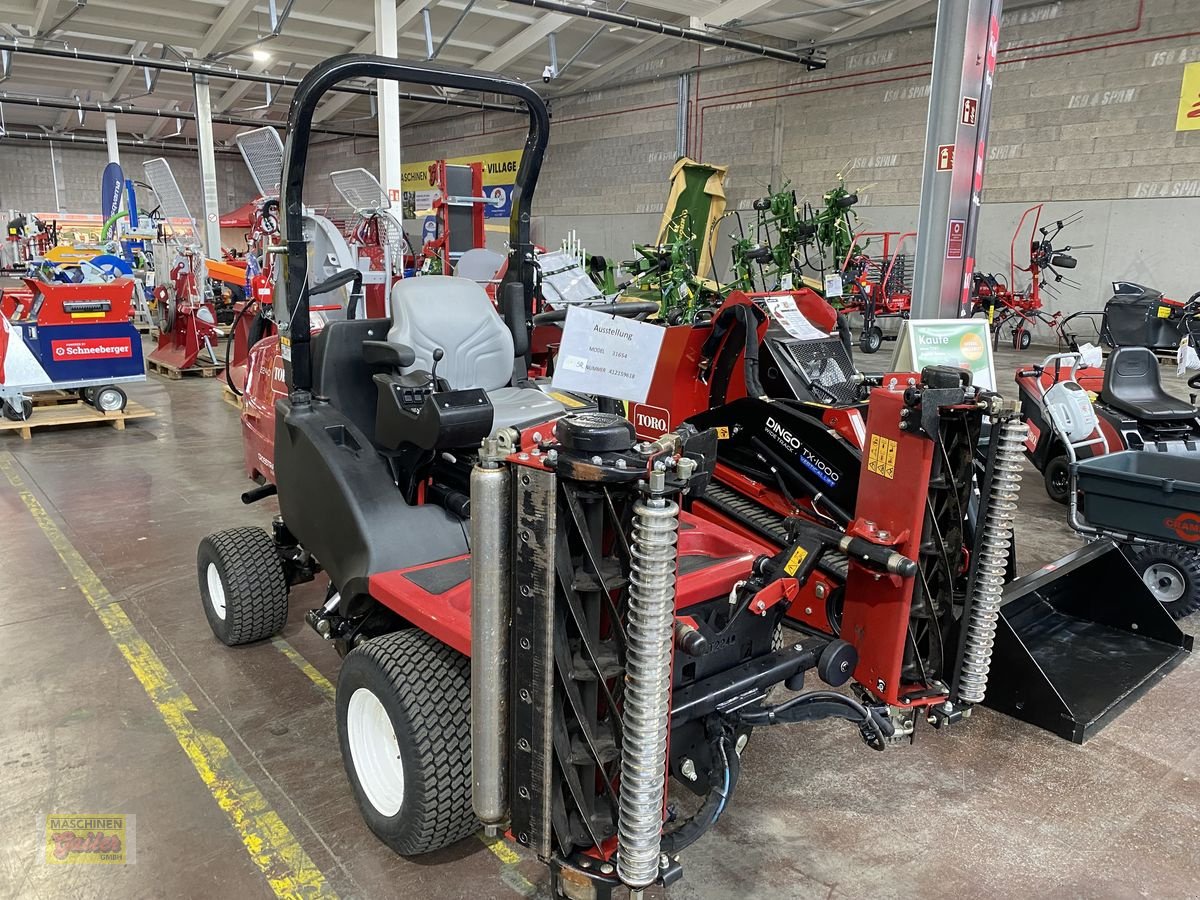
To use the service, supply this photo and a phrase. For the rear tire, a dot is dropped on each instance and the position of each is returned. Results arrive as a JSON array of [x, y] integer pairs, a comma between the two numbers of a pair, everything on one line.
[[871, 340], [243, 585], [1172, 573], [109, 399], [404, 726], [1057, 475], [18, 413]]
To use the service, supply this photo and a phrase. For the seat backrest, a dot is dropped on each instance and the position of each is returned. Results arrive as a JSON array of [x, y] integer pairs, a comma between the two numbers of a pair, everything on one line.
[[1131, 376], [454, 314], [479, 264], [341, 373]]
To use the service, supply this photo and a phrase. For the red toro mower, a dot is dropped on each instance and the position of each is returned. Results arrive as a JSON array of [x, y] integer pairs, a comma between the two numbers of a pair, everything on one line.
[[540, 622], [1020, 310]]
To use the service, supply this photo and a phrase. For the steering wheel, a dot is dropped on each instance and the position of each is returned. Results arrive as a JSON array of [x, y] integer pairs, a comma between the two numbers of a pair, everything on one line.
[[632, 309]]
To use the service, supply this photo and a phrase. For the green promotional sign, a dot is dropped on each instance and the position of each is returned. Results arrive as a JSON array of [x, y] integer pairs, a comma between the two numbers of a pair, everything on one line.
[[962, 344]]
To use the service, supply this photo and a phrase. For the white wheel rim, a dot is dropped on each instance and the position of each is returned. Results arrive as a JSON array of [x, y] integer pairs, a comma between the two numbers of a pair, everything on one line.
[[216, 591], [1165, 582], [375, 752], [108, 401]]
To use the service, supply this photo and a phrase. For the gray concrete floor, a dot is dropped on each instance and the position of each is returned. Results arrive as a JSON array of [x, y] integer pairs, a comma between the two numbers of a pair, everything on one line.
[[990, 808]]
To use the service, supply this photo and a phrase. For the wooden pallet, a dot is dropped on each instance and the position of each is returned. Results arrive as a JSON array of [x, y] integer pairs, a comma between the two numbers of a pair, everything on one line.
[[77, 413], [54, 398], [174, 374], [230, 397]]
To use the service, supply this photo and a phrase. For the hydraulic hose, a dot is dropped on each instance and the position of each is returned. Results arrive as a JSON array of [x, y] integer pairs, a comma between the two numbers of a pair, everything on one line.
[[816, 705], [723, 784]]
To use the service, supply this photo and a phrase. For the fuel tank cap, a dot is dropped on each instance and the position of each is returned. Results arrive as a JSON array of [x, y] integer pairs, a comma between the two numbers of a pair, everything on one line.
[[595, 432]]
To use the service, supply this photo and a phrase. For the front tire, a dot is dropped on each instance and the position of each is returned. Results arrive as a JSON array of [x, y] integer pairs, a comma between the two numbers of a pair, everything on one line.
[[1057, 475], [404, 726], [110, 399], [243, 585], [871, 340], [1172, 573]]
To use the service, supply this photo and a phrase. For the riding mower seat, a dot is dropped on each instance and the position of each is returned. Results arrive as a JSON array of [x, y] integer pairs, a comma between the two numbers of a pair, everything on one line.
[[1132, 386], [455, 316]]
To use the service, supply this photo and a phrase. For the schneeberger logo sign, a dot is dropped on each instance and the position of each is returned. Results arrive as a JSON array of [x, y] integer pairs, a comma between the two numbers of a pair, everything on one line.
[[808, 459], [91, 348]]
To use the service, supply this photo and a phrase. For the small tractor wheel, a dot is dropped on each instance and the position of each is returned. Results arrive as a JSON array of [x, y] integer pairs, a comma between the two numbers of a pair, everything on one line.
[[88, 396], [1172, 573], [871, 340], [109, 398], [1022, 339], [19, 413], [1058, 478], [243, 584], [404, 726]]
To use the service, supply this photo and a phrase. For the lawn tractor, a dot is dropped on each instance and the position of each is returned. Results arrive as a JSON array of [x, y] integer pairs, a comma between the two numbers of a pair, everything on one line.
[[541, 625], [1131, 418], [877, 287], [1020, 310]]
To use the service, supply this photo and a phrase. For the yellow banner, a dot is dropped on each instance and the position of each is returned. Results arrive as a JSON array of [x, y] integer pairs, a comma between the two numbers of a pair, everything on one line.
[[498, 168], [1189, 99]]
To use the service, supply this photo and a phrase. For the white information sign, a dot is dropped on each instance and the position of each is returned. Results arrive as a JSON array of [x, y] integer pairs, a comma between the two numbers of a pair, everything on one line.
[[960, 343], [784, 311], [833, 285], [607, 355]]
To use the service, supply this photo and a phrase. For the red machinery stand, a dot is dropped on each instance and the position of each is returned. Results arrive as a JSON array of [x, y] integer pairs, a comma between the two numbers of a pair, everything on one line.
[[188, 332], [458, 212]]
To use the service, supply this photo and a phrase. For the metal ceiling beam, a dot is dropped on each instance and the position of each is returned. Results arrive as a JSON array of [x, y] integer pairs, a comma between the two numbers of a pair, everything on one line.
[[880, 17], [124, 73], [235, 92], [45, 9], [466, 11], [731, 10], [40, 137], [193, 67], [620, 62], [523, 41], [853, 8], [125, 109], [226, 24], [695, 35]]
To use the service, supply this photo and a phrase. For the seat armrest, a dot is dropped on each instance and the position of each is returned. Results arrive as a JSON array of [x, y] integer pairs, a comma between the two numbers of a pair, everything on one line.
[[388, 355]]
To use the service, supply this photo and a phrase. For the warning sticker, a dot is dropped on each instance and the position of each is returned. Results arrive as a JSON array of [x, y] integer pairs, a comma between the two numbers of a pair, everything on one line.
[[882, 458], [1164, 312], [792, 566]]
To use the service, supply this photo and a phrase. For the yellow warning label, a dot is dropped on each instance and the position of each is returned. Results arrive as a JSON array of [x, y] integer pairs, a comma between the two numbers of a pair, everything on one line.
[[882, 457], [1164, 312], [87, 315], [799, 555], [567, 400], [722, 433]]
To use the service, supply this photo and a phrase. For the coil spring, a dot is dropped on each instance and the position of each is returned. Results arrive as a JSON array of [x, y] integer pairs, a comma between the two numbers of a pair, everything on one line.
[[999, 510], [647, 690]]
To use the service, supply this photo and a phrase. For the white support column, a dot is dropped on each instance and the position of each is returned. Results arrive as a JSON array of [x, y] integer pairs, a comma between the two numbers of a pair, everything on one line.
[[208, 167], [388, 105], [110, 138]]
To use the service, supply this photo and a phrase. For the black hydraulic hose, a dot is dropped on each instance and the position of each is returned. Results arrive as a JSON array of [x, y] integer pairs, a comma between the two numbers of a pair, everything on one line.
[[229, 344], [817, 705], [843, 327], [747, 316], [714, 804]]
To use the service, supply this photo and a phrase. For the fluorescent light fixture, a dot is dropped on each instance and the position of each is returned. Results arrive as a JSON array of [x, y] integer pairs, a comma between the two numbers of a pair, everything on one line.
[[261, 55]]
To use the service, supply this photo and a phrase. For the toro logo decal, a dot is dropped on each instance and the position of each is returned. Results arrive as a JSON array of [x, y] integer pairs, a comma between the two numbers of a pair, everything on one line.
[[91, 348], [808, 459], [651, 421], [1186, 525]]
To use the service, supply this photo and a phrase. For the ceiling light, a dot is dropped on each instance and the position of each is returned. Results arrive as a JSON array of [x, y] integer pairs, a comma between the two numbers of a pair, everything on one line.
[[261, 55]]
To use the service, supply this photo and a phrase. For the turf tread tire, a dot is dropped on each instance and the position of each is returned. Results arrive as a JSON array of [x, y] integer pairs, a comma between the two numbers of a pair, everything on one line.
[[430, 710], [256, 588], [1186, 560]]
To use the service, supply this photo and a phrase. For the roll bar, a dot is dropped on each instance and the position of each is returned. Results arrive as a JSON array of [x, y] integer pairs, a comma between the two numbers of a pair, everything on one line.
[[516, 291]]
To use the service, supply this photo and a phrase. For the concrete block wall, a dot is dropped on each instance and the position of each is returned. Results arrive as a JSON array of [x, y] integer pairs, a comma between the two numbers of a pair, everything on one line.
[[1083, 119], [28, 173]]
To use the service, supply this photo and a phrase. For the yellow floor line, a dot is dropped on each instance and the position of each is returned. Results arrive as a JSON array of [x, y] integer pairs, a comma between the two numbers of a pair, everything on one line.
[[508, 857], [288, 869]]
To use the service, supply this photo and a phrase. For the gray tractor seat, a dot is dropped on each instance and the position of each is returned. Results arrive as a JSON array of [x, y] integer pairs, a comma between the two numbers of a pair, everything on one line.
[[1132, 386], [455, 315]]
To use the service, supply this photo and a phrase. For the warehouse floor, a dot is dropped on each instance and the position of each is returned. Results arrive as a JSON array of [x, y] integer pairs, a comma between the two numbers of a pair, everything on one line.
[[118, 699]]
